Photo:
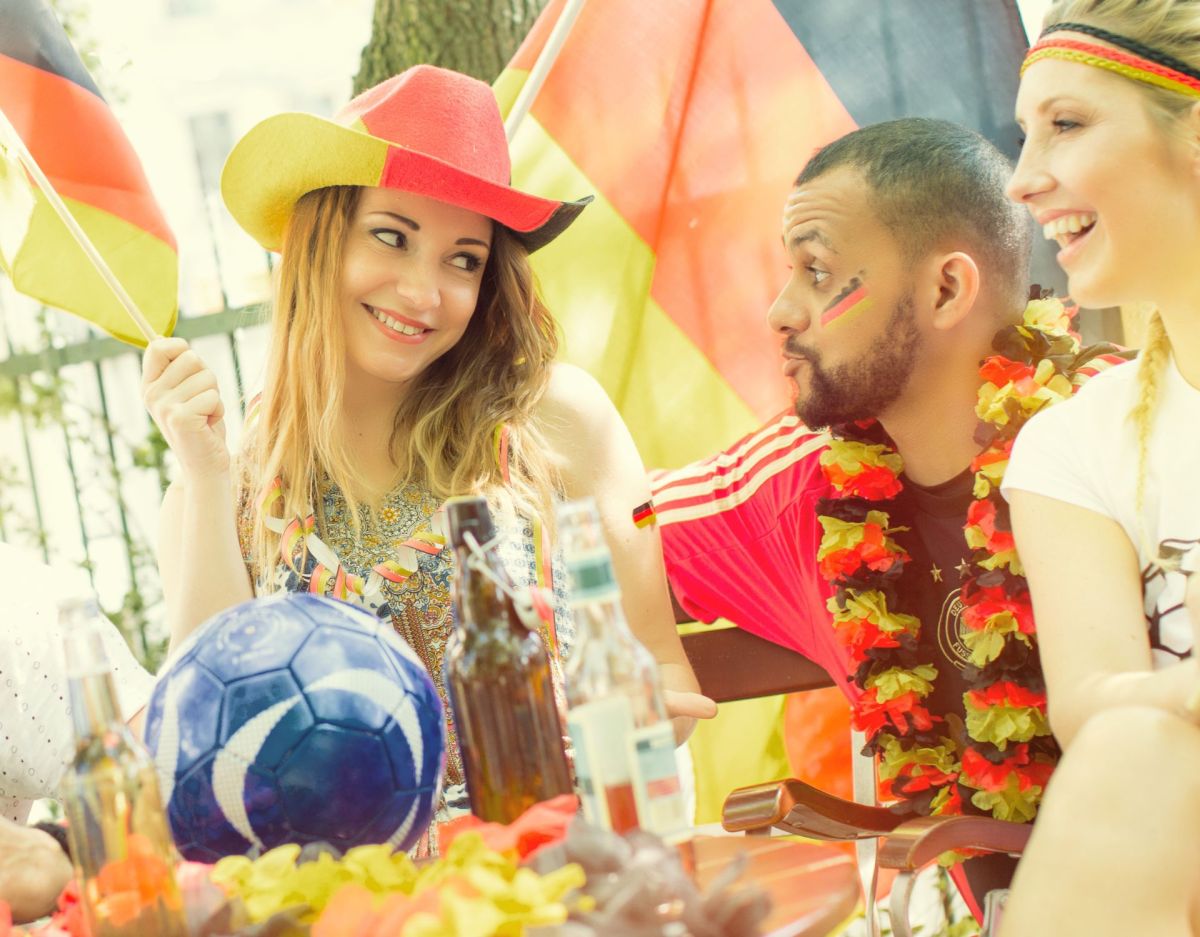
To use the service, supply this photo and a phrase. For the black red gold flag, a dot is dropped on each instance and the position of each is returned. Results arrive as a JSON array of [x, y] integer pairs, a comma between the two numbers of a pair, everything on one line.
[[689, 120], [64, 121]]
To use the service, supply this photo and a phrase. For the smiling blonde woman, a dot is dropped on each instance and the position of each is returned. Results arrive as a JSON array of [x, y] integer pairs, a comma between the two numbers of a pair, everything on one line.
[[410, 360], [1103, 488]]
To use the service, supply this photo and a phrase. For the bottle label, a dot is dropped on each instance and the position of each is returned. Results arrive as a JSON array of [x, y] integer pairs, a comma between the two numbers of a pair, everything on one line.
[[592, 577], [599, 731], [656, 786]]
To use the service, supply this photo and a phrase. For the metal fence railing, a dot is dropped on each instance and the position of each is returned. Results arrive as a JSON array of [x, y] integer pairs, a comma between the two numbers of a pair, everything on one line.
[[82, 467]]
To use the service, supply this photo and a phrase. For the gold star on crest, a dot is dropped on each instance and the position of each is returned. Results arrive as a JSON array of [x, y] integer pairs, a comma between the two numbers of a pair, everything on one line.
[[964, 568], [935, 573]]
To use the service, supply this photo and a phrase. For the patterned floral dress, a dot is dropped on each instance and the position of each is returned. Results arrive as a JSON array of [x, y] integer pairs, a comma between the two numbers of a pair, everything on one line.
[[419, 605]]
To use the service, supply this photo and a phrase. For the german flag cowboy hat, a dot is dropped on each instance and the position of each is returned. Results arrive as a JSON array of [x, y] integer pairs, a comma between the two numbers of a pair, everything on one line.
[[428, 130]]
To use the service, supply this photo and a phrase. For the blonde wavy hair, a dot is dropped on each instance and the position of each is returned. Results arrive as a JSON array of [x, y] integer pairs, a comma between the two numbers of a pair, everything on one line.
[[443, 434], [1172, 27]]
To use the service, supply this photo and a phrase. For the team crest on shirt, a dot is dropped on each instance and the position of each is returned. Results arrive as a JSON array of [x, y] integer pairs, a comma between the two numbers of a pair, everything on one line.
[[950, 631]]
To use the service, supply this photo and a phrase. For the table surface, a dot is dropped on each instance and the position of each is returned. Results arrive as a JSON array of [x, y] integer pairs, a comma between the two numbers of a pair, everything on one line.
[[813, 887]]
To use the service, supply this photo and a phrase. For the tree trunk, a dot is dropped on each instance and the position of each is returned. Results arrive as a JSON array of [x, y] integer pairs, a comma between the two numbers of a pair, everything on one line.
[[477, 37]]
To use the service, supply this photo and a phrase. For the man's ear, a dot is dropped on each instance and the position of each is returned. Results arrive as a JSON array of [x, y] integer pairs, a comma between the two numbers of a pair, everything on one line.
[[956, 288]]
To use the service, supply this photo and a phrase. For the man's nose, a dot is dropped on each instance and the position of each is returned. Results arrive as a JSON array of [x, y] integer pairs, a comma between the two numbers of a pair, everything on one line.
[[789, 313]]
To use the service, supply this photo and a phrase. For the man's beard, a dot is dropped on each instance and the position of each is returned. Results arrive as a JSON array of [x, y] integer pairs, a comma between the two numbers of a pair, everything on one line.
[[866, 387]]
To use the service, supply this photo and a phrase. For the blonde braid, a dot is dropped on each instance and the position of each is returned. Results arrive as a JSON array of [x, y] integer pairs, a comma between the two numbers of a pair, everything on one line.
[[1152, 362]]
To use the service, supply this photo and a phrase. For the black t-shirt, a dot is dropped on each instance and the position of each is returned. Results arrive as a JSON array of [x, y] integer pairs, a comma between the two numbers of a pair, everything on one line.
[[931, 589]]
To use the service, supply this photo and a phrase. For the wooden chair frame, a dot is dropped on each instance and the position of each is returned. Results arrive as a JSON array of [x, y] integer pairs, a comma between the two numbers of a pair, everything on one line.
[[732, 664]]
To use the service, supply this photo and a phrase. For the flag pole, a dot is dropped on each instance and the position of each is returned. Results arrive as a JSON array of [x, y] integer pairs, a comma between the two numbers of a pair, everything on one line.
[[541, 68], [10, 137]]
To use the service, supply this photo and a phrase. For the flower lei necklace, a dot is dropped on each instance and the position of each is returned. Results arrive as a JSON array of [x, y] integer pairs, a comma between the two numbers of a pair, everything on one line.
[[1006, 753]]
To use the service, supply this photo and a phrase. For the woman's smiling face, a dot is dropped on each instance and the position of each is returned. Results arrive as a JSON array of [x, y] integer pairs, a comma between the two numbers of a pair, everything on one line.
[[411, 271], [1107, 178]]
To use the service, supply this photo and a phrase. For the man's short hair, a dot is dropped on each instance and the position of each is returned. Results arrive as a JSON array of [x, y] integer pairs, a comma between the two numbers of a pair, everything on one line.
[[937, 185]]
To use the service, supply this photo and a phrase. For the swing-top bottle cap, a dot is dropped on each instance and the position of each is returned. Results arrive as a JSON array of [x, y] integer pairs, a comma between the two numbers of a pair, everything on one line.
[[469, 514]]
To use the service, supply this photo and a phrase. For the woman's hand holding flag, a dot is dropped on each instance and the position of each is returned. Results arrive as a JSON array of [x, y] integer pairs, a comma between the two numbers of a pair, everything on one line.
[[181, 394]]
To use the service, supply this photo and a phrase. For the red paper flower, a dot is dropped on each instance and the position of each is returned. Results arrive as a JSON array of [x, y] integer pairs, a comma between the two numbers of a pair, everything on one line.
[[859, 635], [1000, 371], [904, 712], [873, 482], [999, 452], [985, 602], [982, 516], [871, 552], [1007, 693], [980, 773], [540, 825]]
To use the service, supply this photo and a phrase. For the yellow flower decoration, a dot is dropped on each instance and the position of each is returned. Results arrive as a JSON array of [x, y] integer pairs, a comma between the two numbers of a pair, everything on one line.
[[1047, 315], [846, 535], [988, 643], [851, 456], [1011, 803], [895, 682], [488, 894], [989, 477], [894, 758], [1001, 724], [871, 605]]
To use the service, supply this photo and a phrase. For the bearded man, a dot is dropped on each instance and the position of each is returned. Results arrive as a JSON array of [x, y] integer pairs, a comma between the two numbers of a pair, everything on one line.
[[865, 529]]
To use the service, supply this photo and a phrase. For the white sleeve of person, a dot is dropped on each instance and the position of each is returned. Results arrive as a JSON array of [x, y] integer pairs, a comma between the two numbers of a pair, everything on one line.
[[1064, 452], [36, 733]]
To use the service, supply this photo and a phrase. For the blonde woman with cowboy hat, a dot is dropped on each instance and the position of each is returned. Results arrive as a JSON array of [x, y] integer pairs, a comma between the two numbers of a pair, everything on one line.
[[1103, 488], [410, 360]]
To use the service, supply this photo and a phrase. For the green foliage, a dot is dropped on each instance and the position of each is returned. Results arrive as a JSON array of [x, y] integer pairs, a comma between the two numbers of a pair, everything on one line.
[[73, 15]]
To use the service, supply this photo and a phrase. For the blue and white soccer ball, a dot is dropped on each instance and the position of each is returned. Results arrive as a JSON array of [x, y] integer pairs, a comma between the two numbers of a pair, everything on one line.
[[295, 719]]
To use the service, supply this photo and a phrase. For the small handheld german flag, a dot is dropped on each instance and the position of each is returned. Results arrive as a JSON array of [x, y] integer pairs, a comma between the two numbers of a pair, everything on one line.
[[64, 123]]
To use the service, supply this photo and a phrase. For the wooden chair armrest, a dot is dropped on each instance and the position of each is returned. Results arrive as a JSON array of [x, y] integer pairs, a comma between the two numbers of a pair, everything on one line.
[[916, 843], [804, 810]]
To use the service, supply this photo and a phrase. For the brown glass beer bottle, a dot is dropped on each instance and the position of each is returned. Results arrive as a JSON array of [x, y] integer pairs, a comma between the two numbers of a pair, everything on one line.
[[497, 672]]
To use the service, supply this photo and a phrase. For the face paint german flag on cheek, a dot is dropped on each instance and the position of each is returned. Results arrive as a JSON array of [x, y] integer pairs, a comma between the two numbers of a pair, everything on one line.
[[848, 305]]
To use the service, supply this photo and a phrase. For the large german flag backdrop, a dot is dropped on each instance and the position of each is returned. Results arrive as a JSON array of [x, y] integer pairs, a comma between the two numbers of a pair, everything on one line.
[[56, 108], [689, 119]]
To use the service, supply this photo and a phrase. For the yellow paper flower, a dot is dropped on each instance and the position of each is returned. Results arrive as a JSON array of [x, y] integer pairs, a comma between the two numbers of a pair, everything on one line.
[[1011, 803], [1048, 315], [851, 456], [987, 643], [895, 682], [871, 605], [1001, 724], [894, 758], [989, 476]]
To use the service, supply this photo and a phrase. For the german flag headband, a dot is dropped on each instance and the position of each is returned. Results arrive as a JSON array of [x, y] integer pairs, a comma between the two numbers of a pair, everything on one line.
[[1132, 59]]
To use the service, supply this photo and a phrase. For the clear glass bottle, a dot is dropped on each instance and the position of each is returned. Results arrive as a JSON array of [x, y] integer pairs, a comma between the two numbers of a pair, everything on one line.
[[624, 741], [497, 672], [120, 839]]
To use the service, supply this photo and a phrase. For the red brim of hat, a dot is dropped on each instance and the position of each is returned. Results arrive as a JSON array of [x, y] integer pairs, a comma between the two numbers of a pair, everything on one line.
[[288, 155]]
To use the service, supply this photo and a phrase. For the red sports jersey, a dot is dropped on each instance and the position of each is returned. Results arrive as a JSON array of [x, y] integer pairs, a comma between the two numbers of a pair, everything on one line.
[[740, 536]]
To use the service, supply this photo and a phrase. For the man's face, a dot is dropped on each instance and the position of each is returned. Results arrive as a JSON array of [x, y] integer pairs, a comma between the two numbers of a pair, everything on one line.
[[850, 337]]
